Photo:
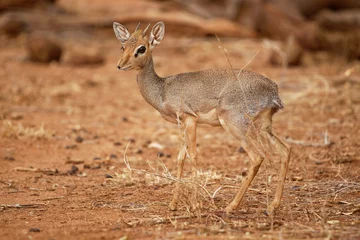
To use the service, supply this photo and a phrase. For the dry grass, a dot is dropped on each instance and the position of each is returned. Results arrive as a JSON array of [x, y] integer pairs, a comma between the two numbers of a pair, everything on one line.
[[18, 131]]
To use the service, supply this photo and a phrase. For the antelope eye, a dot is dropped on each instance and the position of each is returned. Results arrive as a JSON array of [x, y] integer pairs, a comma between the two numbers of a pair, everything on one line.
[[122, 48], [141, 49]]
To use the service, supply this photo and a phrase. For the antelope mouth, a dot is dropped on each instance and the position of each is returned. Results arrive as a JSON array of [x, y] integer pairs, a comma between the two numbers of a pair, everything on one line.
[[125, 68]]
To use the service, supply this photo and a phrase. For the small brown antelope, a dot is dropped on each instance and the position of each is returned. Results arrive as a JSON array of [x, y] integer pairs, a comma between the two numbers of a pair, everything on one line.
[[240, 101]]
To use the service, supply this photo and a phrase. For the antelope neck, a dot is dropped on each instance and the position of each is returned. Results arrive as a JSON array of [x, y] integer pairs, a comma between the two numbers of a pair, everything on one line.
[[150, 84]]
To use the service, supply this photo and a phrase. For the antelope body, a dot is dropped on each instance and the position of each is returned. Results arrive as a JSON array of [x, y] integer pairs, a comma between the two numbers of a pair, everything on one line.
[[240, 101]]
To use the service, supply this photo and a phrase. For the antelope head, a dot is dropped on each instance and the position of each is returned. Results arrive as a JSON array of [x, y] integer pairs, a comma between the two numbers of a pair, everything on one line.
[[137, 47]]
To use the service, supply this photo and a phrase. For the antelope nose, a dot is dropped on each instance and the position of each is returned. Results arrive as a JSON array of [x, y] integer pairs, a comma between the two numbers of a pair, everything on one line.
[[118, 67]]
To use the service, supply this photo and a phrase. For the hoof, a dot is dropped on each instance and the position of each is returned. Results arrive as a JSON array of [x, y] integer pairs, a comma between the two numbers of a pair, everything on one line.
[[229, 209], [173, 206], [271, 210]]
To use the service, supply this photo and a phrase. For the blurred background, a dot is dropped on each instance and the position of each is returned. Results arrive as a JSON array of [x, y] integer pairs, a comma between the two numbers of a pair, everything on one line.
[[318, 25], [67, 114]]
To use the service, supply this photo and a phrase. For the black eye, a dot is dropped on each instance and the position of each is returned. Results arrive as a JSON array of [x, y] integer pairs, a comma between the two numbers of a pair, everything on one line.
[[122, 48], [141, 49]]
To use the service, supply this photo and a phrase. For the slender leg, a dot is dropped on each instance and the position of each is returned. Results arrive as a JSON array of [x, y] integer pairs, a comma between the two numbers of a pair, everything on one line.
[[180, 166], [256, 161], [285, 151], [188, 145], [190, 135]]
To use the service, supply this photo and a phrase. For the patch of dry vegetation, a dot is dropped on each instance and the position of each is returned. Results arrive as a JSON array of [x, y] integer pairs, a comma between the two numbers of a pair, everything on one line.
[[18, 131]]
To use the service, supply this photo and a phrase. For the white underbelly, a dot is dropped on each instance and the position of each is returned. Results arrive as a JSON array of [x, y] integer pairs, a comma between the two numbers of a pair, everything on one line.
[[210, 118]]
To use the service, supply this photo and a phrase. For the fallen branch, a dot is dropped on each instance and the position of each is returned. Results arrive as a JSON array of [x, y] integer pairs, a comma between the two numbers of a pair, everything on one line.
[[30, 169], [158, 220], [34, 205], [310, 144], [74, 161]]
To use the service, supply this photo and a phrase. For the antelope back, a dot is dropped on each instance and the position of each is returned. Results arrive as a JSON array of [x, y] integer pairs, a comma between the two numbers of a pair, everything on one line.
[[137, 47]]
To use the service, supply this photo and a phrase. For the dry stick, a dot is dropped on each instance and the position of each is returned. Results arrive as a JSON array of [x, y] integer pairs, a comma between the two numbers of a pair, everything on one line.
[[310, 144], [159, 220], [167, 175], [6, 183], [25, 169], [35, 205]]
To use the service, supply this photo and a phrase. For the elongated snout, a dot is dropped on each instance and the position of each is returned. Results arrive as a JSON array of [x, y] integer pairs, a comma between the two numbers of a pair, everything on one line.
[[119, 65], [124, 64]]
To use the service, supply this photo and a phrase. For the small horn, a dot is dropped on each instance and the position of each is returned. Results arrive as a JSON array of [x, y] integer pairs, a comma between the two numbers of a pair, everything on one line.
[[137, 27], [144, 32]]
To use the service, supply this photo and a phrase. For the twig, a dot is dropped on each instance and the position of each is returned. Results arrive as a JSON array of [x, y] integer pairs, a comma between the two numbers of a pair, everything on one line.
[[159, 220], [6, 183], [46, 171], [310, 144], [35, 205], [53, 198], [74, 161]]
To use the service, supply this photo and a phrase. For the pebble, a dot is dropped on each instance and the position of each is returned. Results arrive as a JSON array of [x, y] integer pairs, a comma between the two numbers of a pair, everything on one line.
[[72, 146], [74, 169], [79, 139], [241, 150]]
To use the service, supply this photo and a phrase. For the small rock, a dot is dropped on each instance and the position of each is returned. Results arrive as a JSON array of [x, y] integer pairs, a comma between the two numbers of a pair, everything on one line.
[[108, 176], [96, 158], [297, 178], [113, 156], [241, 150], [42, 48], [79, 139], [168, 156], [125, 119], [117, 143], [34, 230], [139, 151], [295, 188], [72, 146], [9, 158], [160, 154], [156, 145], [98, 166], [73, 171]]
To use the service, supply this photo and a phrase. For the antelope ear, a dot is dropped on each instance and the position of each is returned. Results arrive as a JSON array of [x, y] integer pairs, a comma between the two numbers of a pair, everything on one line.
[[157, 34], [121, 32]]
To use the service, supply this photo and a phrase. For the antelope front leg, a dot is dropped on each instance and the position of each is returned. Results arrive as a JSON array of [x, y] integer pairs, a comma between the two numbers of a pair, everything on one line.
[[188, 148], [190, 137], [180, 166]]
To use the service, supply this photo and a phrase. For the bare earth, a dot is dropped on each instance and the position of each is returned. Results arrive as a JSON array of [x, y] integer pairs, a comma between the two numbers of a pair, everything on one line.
[[64, 130]]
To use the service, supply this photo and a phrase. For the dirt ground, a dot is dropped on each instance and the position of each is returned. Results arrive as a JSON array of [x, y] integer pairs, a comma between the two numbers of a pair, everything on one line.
[[65, 128]]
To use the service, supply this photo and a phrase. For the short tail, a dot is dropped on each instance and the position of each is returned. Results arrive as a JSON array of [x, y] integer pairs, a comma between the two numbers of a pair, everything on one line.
[[278, 104]]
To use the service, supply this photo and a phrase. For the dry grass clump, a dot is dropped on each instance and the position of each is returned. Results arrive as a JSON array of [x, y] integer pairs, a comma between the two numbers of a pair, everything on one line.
[[18, 131]]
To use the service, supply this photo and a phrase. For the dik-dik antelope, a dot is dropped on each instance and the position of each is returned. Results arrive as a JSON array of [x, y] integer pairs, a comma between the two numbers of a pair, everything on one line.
[[240, 101]]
